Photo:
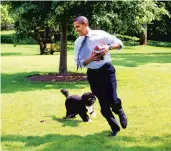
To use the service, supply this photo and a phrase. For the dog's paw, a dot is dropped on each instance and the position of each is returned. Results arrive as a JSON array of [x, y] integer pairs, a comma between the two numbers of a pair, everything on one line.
[[93, 114], [71, 116], [89, 120]]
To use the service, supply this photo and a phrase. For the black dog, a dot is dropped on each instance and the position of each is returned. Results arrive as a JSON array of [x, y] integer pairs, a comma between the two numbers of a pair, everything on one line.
[[79, 105]]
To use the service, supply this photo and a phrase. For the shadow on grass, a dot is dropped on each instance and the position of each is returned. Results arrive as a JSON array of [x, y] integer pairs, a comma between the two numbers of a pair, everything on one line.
[[137, 59], [67, 122], [94, 142], [11, 83], [23, 54], [11, 54]]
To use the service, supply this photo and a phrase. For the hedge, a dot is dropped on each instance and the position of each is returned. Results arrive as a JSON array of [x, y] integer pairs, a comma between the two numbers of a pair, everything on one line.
[[127, 38], [12, 38]]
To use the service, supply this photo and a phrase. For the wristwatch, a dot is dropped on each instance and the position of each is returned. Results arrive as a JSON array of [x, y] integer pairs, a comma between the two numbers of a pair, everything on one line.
[[110, 47]]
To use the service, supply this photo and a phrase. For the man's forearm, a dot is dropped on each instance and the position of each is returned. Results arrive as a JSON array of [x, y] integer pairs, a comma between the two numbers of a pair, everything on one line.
[[116, 46], [87, 61]]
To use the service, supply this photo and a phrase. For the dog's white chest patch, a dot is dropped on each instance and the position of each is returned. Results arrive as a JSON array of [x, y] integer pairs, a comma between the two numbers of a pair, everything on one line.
[[90, 109]]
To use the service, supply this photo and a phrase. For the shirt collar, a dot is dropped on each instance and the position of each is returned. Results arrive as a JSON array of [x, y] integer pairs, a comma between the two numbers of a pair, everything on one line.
[[89, 33]]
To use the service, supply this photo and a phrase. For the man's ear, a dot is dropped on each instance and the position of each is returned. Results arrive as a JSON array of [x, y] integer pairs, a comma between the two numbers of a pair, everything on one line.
[[86, 24]]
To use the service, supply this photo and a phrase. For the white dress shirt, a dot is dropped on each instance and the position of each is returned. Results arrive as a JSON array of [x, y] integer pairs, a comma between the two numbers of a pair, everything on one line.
[[95, 37]]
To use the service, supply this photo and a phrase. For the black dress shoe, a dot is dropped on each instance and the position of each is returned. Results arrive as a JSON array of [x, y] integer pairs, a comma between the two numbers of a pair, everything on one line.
[[123, 118], [113, 134]]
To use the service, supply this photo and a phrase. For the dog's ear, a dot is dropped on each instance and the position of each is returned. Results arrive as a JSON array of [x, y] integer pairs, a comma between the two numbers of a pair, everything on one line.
[[94, 97], [85, 97]]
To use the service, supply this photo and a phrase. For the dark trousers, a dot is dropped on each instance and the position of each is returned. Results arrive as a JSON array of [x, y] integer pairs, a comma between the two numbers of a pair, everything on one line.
[[103, 84]]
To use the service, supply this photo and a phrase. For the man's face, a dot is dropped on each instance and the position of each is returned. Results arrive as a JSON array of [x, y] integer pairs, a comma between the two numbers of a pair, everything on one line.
[[80, 28]]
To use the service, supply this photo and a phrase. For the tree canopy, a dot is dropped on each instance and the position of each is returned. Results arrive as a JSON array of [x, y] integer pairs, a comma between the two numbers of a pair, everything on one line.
[[6, 17], [123, 17]]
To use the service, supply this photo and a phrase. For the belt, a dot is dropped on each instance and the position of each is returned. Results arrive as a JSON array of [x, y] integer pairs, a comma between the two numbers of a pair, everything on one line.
[[99, 69]]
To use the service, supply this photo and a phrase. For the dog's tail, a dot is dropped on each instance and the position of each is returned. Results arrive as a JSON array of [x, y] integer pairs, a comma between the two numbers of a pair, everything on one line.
[[65, 92]]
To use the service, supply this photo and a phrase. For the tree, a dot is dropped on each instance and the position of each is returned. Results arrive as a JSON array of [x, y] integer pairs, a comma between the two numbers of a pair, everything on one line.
[[31, 20], [63, 13], [6, 17], [31, 17], [130, 16], [152, 11], [161, 29], [119, 16]]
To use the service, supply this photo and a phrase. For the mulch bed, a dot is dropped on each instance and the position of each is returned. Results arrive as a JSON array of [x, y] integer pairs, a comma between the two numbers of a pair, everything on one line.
[[50, 77]]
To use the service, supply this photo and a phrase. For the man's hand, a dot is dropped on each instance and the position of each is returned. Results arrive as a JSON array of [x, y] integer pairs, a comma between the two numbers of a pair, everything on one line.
[[104, 50], [97, 56], [93, 57], [101, 50]]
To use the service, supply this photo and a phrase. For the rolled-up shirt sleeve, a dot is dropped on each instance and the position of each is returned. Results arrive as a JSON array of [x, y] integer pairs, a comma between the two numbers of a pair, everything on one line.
[[113, 40], [116, 40]]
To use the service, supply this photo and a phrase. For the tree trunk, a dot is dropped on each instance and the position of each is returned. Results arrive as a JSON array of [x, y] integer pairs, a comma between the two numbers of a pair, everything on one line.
[[143, 35], [63, 46], [42, 47]]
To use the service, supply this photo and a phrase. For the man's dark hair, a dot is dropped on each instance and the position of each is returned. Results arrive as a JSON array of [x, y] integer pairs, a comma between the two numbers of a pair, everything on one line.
[[81, 20]]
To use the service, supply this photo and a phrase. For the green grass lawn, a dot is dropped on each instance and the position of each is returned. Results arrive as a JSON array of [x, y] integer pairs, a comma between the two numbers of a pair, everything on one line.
[[144, 85]]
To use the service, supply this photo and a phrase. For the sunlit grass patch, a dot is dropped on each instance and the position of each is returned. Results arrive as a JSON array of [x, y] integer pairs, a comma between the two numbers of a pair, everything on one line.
[[32, 111]]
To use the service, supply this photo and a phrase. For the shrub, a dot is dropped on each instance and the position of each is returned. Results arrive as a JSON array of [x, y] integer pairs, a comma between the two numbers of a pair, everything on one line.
[[28, 40], [127, 38], [13, 38], [10, 38]]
